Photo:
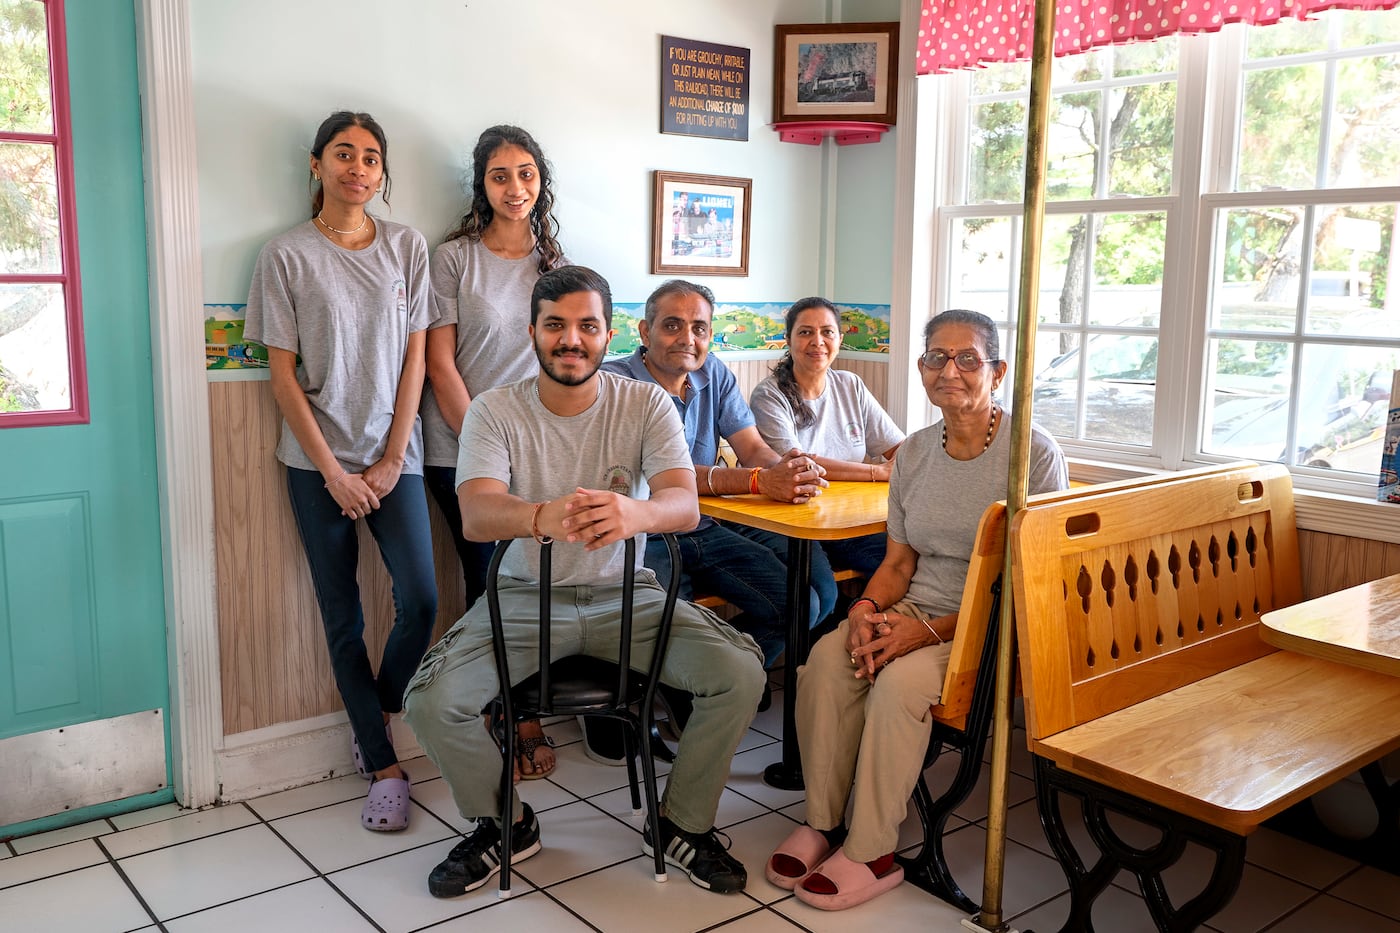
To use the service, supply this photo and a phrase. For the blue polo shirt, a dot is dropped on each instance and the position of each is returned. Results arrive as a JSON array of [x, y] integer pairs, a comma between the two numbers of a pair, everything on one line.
[[713, 408]]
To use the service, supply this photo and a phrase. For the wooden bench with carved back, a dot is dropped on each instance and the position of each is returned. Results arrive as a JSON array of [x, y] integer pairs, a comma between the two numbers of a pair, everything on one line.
[[1149, 693]]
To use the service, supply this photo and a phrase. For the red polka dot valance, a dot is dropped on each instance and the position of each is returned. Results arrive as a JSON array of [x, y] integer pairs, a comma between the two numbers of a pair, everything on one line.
[[967, 33]]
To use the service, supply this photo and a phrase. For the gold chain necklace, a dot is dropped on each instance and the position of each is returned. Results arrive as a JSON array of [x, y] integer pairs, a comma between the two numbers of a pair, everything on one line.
[[363, 220]]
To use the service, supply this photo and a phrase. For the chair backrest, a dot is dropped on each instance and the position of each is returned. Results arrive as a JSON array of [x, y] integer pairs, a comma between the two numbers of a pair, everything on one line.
[[659, 640], [1124, 594], [984, 569]]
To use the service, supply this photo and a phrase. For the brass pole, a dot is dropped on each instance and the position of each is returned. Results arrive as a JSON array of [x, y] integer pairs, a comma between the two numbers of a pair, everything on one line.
[[1037, 128]]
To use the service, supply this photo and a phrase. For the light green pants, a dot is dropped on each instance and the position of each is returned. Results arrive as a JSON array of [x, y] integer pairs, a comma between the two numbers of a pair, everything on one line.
[[864, 743], [456, 680]]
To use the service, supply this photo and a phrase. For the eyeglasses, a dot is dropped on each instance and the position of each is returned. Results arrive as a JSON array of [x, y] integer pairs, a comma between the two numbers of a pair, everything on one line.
[[966, 360]]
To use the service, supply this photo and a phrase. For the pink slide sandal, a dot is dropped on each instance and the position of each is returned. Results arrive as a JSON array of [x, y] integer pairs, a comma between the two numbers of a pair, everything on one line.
[[854, 882], [802, 851]]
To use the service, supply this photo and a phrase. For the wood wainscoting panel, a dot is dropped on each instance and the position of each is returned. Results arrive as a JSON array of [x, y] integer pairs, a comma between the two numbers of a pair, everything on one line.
[[1334, 562], [272, 652], [750, 372]]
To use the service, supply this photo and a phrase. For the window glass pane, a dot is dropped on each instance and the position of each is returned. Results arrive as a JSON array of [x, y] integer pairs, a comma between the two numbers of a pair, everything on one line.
[[1352, 246], [1000, 77], [996, 164], [1342, 413], [1280, 133], [1141, 137], [29, 209], [1259, 253], [984, 265], [25, 98], [1063, 254], [1250, 392], [1055, 404], [1145, 58], [1078, 69], [1365, 129], [1073, 145], [1369, 28], [1119, 390], [33, 348], [1128, 257], [1286, 37]]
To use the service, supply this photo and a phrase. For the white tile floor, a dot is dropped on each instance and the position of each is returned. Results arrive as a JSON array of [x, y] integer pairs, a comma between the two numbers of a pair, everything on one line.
[[298, 861]]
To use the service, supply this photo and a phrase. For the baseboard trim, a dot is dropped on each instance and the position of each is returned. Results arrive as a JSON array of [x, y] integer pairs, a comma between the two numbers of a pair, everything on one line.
[[287, 755]]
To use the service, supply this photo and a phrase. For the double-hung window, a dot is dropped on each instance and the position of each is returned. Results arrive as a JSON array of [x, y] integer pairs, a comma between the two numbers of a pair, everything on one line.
[[1219, 244]]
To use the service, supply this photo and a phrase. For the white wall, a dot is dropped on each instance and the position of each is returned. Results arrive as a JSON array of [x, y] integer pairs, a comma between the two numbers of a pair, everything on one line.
[[582, 77], [865, 184]]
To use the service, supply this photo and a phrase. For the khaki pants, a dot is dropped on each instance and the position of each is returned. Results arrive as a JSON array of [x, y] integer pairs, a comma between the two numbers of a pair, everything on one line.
[[706, 657], [864, 743]]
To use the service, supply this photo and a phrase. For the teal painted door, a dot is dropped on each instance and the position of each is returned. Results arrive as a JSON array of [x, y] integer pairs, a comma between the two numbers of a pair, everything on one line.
[[82, 617]]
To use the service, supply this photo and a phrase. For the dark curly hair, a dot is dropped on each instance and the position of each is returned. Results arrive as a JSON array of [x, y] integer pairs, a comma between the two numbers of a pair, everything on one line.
[[782, 372], [479, 213]]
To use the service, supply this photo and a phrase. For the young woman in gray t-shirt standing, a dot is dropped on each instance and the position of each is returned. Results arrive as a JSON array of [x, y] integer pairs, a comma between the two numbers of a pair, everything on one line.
[[482, 277], [341, 303]]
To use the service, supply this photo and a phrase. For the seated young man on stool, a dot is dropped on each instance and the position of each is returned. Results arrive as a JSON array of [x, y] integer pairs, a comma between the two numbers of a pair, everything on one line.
[[568, 455]]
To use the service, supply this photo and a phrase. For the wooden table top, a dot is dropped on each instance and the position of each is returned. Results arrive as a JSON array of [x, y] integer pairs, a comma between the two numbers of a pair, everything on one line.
[[1359, 626], [843, 510]]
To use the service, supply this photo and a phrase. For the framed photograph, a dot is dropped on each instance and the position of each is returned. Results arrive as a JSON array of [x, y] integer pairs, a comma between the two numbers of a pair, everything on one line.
[[835, 71], [700, 224]]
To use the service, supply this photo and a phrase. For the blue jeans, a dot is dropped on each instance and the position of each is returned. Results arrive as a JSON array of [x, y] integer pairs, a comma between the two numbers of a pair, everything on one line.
[[474, 556], [748, 568], [400, 528], [863, 554]]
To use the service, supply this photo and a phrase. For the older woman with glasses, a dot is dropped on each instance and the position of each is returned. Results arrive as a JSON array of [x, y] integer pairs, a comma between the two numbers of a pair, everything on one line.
[[863, 697]]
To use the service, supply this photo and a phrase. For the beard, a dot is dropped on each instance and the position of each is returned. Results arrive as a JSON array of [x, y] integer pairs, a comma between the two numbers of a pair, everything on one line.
[[550, 366]]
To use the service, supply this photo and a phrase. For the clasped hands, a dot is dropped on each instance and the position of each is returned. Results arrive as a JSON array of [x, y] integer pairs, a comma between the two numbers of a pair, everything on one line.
[[594, 518], [874, 639], [358, 494], [797, 478]]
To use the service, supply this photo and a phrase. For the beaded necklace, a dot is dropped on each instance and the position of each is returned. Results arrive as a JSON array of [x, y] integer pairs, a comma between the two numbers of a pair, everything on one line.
[[991, 426]]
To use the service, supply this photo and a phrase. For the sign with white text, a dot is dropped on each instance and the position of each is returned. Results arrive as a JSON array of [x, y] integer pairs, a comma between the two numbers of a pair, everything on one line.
[[704, 89]]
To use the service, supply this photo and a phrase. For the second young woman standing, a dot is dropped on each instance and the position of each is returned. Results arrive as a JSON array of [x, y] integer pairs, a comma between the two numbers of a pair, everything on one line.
[[482, 277]]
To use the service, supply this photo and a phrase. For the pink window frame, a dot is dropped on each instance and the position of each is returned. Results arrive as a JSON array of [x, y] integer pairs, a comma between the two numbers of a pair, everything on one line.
[[61, 139]]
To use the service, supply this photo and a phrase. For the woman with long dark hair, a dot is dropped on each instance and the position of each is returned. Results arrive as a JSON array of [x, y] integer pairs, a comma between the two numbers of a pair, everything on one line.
[[341, 303], [828, 414], [482, 276]]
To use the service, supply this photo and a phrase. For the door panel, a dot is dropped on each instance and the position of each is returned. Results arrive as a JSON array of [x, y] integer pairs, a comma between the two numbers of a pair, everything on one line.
[[82, 612]]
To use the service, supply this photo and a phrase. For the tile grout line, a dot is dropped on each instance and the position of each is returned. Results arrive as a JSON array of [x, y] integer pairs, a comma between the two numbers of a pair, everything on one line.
[[126, 880], [317, 871]]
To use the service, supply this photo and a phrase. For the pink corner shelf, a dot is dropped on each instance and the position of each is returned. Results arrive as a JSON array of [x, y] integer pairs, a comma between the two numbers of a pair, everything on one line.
[[847, 132]]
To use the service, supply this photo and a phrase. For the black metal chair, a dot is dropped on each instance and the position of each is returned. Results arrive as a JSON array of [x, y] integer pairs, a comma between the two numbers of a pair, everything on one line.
[[581, 685]]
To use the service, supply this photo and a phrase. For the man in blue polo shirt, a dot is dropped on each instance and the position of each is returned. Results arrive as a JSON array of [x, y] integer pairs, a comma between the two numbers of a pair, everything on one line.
[[745, 566]]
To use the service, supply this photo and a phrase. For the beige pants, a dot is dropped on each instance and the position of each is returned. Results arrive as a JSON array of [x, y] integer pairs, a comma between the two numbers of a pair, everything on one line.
[[864, 743]]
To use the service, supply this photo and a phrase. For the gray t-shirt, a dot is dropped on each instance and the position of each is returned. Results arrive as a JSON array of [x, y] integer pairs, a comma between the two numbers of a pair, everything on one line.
[[488, 298], [849, 425], [937, 501], [631, 433], [348, 313]]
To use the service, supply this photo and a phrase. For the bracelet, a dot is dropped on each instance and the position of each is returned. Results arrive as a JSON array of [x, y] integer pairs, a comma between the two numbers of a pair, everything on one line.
[[931, 631], [342, 476], [535, 526], [863, 599], [872, 472], [753, 479], [708, 484]]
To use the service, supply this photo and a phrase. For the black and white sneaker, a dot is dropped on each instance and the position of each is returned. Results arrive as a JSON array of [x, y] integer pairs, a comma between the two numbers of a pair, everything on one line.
[[701, 856], [477, 858]]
